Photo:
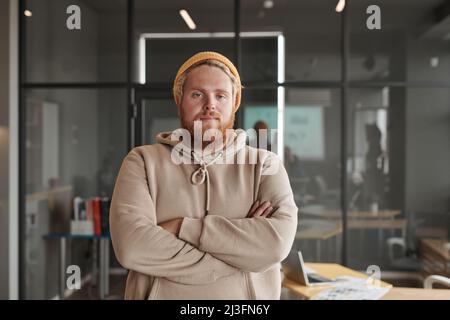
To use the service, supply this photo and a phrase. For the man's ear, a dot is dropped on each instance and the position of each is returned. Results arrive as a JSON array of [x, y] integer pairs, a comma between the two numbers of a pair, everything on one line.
[[178, 111]]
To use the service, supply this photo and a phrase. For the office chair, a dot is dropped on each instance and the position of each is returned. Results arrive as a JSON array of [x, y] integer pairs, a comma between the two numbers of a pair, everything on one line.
[[430, 280], [408, 259]]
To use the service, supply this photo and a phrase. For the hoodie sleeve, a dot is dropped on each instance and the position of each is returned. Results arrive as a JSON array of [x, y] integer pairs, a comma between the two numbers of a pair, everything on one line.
[[250, 244], [141, 245]]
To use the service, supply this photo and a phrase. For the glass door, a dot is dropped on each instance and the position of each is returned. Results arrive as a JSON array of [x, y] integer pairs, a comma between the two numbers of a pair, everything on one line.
[[155, 112]]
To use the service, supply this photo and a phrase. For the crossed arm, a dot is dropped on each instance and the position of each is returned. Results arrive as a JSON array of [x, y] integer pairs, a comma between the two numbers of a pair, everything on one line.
[[143, 246], [258, 209], [204, 249], [255, 243]]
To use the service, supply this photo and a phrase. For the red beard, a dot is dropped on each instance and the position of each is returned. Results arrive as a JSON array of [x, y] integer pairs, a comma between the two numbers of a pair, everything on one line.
[[189, 125]]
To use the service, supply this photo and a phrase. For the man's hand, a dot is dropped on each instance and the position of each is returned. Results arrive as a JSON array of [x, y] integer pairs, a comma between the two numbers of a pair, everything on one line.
[[260, 209], [173, 226]]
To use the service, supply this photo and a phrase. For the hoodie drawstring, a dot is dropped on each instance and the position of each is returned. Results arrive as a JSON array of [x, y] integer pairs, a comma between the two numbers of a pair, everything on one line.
[[234, 143], [201, 174]]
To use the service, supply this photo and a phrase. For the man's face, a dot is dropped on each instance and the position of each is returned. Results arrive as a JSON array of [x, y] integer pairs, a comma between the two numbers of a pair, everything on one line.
[[208, 97]]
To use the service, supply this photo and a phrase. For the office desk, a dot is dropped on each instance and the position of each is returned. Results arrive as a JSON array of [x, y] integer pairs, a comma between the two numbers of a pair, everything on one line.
[[319, 211], [318, 230], [103, 244], [331, 270], [381, 221], [398, 293]]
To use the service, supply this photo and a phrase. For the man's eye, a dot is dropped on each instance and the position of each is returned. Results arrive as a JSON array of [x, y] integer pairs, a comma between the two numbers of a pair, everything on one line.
[[196, 95], [221, 97]]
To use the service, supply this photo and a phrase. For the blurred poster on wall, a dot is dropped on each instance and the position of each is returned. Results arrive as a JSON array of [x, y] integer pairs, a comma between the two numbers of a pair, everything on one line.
[[303, 128], [304, 131]]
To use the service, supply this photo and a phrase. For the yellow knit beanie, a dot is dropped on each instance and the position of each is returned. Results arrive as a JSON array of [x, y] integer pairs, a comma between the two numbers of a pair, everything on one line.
[[209, 55]]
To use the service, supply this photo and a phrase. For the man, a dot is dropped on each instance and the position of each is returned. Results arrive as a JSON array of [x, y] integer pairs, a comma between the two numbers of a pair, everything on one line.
[[262, 135], [203, 228]]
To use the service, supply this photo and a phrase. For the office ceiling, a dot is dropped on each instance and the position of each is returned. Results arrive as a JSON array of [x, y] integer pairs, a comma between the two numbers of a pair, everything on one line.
[[162, 5], [312, 16]]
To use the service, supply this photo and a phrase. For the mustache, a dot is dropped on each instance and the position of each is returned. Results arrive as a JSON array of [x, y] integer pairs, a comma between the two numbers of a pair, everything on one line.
[[212, 114]]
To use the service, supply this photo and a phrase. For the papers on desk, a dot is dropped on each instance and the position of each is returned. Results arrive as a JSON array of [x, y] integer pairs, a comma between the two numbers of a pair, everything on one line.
[[351, 288]]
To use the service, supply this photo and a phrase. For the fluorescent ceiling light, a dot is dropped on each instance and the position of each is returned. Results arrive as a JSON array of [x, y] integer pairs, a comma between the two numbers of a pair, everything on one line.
[[187, 18], [340, 6], [199, 35], [268, 4]]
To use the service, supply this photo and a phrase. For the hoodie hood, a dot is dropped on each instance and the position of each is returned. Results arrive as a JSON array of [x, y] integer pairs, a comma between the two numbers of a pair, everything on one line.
[[235, 141]]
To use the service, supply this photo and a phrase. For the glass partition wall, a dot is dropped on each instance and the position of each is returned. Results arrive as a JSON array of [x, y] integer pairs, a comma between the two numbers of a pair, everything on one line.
[[360, 117], [398, 113]]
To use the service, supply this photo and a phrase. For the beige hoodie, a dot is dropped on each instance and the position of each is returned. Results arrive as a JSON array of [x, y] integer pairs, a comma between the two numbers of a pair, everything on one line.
[[219, 253]]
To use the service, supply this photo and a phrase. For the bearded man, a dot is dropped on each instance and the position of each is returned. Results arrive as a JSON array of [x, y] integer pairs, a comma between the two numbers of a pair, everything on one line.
[[212, 227]]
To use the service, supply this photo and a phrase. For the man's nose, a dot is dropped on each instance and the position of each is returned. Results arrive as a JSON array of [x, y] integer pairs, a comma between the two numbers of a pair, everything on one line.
[[210, 105]]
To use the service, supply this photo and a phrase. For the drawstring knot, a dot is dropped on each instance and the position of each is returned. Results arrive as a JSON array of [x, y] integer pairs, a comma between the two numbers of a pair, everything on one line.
[[201, 175]]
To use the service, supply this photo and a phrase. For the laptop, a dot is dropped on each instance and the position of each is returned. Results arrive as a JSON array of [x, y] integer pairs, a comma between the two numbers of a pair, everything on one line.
[[294, 268]]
